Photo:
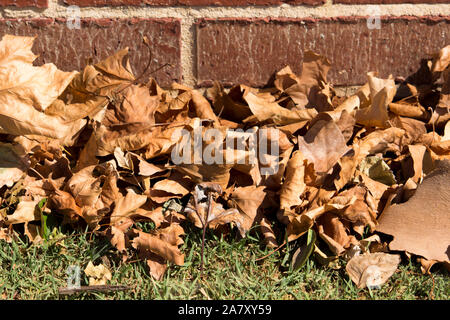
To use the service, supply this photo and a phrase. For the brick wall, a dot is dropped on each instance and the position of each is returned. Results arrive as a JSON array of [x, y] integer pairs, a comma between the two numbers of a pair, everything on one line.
[[243, 41]]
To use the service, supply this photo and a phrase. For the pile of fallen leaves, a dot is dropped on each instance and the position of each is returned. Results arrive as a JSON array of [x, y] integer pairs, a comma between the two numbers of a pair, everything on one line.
[[92, 149]]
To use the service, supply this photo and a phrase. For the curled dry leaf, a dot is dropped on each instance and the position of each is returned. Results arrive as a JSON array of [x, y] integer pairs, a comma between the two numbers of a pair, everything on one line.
[[226, 106], [300, 224], [310, 88], [273, 112], [294, 184], [159, 247], [382, 92]]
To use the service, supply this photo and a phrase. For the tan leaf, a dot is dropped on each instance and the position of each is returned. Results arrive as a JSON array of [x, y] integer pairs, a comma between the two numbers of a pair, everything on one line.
[[382, 92], [207, 173], [85, 187], [380, 141], [310, 87], [103, 78], [25, 212], [64, 203], [359, 100], [125, 206], [156, 264], [442, 60], [372, 269], [421, 162], [323, 145], [446, 136], [294, 184], [249, 201], [117, 238], [273, 112], [376, 189], [26, 91], [33, 233], [333, 232], [414, 129], [129, 122], [175, 186], [407, 110], [156, 244], [355, 208], [270, 238], [442, 109], [156, 215], [142, 167]]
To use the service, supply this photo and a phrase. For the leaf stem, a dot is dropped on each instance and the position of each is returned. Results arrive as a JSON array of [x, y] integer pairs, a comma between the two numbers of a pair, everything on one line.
[[203, 248], [205, 225]]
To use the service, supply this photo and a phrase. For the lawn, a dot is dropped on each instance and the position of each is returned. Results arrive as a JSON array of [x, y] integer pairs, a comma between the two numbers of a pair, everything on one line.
[[231, 272]]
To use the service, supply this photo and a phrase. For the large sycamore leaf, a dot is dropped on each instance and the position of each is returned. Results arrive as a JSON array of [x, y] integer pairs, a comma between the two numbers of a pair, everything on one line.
[[26, 91], [102, 79], [420, 225]]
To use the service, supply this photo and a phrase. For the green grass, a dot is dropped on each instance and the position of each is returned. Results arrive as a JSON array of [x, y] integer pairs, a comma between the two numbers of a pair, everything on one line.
[[36, 272]]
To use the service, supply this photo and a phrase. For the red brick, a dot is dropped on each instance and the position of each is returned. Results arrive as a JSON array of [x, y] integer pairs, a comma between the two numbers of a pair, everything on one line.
[[69, 49], [83, 3], [250, 50], [25, 3], [388, 1]]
